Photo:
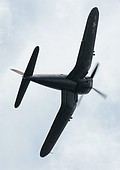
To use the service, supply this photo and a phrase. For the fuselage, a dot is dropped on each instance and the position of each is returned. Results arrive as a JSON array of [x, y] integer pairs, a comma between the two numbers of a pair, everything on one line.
[[61, 82]]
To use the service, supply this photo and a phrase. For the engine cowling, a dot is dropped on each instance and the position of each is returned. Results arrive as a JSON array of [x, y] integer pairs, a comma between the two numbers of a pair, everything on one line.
[[84, 85]]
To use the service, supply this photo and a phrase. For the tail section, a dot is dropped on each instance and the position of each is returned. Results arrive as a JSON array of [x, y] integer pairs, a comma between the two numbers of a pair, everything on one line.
[[21, 92], [28, 72], [30, 67], [17, 71]]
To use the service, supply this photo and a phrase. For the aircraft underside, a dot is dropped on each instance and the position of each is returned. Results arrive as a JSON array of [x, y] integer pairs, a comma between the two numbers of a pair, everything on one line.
[[70, 85]]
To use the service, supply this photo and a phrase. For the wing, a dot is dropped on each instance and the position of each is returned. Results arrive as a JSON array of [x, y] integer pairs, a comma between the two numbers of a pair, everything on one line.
[[67, 108], [87, 47]]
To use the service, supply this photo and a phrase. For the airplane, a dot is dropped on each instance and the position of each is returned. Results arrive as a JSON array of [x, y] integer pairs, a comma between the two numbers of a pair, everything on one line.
[[71, 85]]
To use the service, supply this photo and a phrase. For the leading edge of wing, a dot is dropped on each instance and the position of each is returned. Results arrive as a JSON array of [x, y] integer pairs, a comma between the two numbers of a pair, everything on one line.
[[65, 112]]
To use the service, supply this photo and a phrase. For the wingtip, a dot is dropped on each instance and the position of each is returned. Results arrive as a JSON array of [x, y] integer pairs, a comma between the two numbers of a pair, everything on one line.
[[95, 10], [43, 154], [16, 106], [45, 150], [37, 48], [17, 103]]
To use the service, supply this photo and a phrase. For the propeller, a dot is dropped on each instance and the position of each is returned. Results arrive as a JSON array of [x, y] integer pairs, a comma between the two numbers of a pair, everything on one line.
[[99, 92], [94, 71], [92, 76], [79, 101]]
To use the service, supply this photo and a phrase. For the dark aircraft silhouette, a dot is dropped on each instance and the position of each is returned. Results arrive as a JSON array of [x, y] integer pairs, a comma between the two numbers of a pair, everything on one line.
[[70, 85]]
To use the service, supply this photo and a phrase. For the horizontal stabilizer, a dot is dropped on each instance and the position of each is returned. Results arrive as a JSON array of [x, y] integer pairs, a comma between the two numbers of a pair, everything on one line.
[[31, 65], [25, 80], [21, 92]]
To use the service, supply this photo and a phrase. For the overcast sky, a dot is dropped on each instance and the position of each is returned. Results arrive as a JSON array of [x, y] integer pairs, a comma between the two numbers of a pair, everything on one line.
[[91, 141]]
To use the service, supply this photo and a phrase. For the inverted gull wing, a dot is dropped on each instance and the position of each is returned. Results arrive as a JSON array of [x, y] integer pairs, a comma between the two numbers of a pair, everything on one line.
[[87, 47], [67, 108]]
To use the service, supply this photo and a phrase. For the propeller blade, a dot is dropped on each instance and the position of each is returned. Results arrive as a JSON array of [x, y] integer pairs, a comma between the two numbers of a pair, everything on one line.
[[94, 71], [79, 100], [102, 94]]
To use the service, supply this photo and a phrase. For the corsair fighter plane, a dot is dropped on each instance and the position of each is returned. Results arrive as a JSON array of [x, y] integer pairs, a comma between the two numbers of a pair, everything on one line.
[[76, 82]]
